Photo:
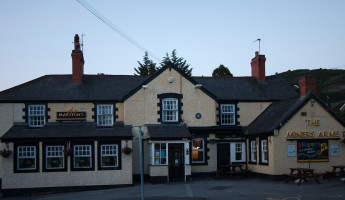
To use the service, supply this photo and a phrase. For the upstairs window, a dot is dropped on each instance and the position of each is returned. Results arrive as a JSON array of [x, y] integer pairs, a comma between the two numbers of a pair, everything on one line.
[[105, 115], [36, 115], [170, 110], [227, 114]]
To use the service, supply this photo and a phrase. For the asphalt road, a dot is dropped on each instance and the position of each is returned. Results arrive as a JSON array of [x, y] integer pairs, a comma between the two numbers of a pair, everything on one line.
[[210, 189]]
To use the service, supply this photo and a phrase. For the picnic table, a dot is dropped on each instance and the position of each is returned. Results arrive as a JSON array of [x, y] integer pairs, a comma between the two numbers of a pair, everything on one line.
[[301, 174], [338, 170]]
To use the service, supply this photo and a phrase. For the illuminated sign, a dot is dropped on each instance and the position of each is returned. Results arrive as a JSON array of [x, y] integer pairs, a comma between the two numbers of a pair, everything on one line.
[[71, 115]]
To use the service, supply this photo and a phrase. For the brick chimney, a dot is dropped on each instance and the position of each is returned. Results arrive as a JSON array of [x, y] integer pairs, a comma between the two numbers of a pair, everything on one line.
[[307, 84], [77, 61], [258, 66]]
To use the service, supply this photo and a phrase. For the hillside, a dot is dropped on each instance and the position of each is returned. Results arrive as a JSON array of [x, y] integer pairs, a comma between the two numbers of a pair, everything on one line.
[[330, 86]]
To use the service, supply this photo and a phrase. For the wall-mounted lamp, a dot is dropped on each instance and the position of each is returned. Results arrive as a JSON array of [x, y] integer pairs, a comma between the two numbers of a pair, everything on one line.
[[144, 86], [187, 151], [198, 86]]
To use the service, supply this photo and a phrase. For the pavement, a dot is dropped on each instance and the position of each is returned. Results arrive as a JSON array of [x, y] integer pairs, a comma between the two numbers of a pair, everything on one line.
[[211, 189]]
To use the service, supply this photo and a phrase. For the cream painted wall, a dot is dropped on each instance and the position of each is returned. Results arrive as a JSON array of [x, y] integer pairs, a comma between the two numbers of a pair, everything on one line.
[[62, 107], [141, 108], [263, 168], [11, 112], [120, 112], [212, 161], [63, 179], [279, 162], [249, 111]]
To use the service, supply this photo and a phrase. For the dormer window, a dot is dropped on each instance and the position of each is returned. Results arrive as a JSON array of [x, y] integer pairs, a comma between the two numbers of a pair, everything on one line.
[[36, 115], [170, 110], [227, 114], [105, 115]]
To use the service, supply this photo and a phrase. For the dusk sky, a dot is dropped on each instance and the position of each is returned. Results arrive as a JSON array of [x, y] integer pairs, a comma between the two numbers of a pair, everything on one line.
[[36, 36]]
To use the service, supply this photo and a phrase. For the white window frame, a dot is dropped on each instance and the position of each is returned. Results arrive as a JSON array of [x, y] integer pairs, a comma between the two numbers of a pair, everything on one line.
[[56, 151], [237, 147], [81, 150], [110, 150], [160, 155], [253, 150], [105, 115], [198, 150], [36, 115], [26, 152], [228, 111], [264, 149], [170, 111]]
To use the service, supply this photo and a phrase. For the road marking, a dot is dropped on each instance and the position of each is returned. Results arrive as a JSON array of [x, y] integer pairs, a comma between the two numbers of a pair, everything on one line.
[[189, 190]]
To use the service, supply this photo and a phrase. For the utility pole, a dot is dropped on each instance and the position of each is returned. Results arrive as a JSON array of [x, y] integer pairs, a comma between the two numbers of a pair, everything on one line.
[[141, 163]]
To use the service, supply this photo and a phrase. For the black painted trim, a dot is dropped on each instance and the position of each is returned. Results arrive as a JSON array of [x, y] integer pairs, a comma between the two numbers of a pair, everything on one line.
[[119, 154], [15, 158], [94, 116], [44, 156], [180, 104], [219, 116], [26, 109], [87, 142]]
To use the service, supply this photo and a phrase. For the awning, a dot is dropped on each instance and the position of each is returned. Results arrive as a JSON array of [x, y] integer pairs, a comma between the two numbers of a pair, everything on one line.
[[80, 130], [170, 132]]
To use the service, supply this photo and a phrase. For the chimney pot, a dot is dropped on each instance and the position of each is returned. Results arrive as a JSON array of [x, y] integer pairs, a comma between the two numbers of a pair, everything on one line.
[[307, 84], [77, 61], [258, 66]]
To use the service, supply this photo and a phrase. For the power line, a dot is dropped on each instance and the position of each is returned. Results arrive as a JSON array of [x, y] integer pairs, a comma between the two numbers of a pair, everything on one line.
[[115, 28]]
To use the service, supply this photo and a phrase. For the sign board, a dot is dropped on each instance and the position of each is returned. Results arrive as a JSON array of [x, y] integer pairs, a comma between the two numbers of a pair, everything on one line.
[[71, 115], [312, 150]]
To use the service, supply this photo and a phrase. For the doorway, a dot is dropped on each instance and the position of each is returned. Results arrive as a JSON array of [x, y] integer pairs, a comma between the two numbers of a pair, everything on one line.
[[176, 162]]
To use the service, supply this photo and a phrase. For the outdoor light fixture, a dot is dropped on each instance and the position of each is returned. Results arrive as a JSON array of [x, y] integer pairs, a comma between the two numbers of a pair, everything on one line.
[[198, 86], [144, 86]]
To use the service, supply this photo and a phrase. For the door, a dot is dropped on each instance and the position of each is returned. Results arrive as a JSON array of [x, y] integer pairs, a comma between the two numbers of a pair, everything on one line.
[[223, 155], [176, 162]]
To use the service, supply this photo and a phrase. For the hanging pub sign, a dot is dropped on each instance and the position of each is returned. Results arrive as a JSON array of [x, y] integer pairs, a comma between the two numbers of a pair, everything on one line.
[[312, 151], [71, 115]]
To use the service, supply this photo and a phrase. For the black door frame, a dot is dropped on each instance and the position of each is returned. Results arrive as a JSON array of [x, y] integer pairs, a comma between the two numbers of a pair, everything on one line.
[[176, 171]]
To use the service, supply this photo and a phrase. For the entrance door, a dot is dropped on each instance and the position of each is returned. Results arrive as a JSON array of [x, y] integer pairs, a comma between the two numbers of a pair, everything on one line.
[[223, 155], [176, 162]]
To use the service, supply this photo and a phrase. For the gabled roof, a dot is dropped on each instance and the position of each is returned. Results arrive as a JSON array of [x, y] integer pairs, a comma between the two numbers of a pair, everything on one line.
[[248, 88], [160, 71], [278, 113], [62, 88]]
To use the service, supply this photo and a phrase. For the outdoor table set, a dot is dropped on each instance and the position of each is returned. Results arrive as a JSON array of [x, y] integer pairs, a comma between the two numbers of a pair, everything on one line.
[[231, 170], [301, 175], [338, 170]]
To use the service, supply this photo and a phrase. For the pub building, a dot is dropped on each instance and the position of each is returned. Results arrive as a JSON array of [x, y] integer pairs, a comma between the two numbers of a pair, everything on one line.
[[78, 131]]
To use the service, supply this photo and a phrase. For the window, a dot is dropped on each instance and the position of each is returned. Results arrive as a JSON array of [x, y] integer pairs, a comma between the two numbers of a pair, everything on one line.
[[264, 151], [227, 114], [82, 156], [198, 151], [238, 152], [253, 154], [26, 158], [55, 158], [36, 115], [160, 154], [109, 155], [170, 110], [105, 115]]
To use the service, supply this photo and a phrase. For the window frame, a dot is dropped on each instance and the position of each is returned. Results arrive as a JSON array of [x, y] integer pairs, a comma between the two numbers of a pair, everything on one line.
[[232, 113], [253, 152], [44, 157], [264, 161], [16, 157], [160, 154], [174, 111], [198, 150], [92, 156], [233, 151], [99, 113], [30, 115], [176, 96]]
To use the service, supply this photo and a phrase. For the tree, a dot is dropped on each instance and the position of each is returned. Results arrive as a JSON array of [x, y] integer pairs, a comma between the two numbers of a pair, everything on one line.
[[147, 68], [221, 71], [180, 63]]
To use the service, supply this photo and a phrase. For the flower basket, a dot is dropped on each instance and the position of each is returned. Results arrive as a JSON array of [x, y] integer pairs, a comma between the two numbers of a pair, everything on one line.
[[5, 153], [67, 151], [126, 150]]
